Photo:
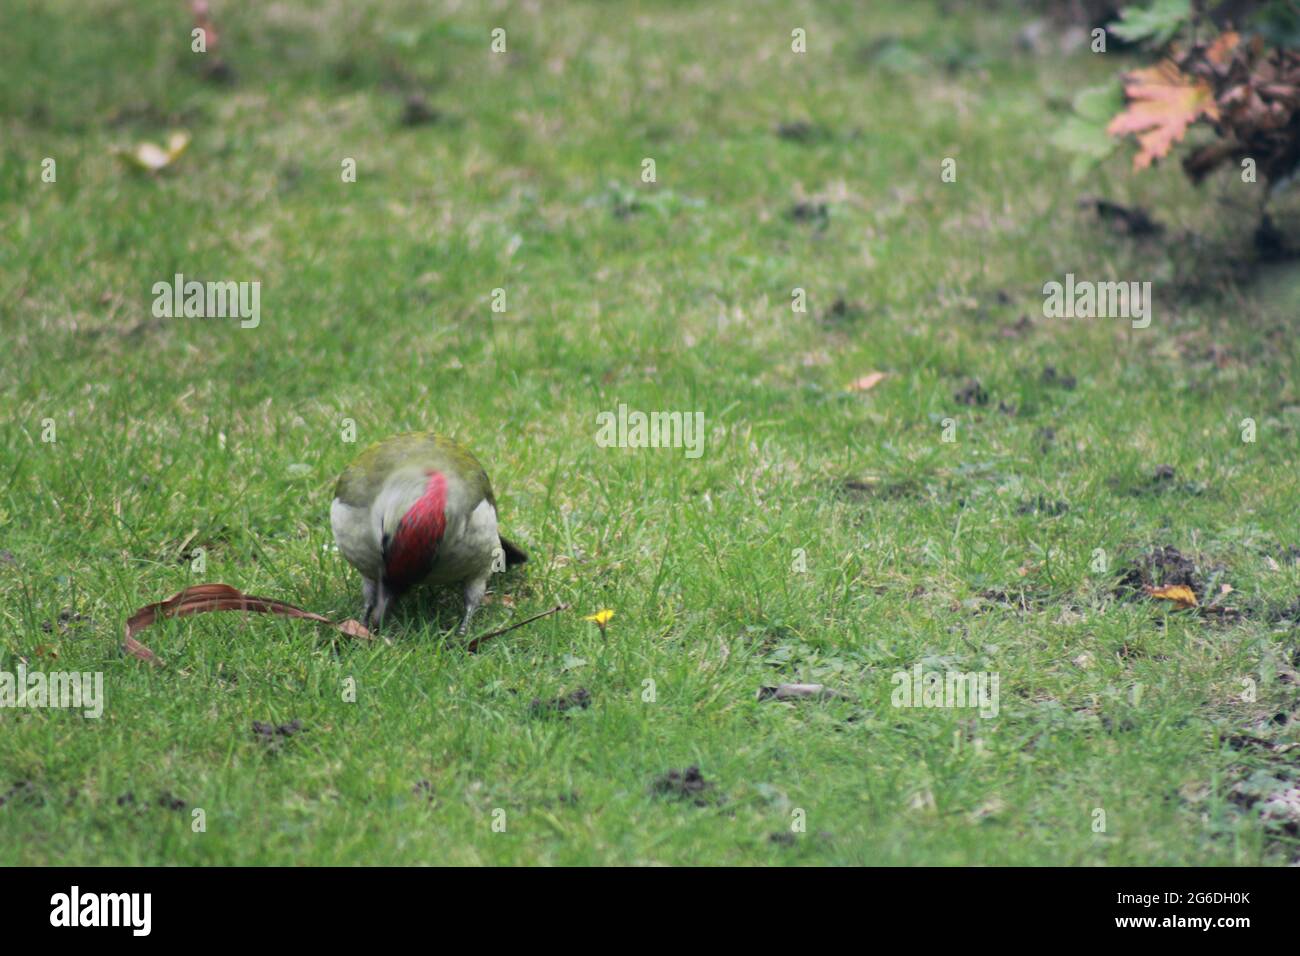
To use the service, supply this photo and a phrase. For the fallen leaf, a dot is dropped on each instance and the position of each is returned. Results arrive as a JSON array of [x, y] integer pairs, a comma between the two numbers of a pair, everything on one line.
[[867, 382], [1220, 51], [202, 598], [1163, 102], [1180, 594], [153, 158]]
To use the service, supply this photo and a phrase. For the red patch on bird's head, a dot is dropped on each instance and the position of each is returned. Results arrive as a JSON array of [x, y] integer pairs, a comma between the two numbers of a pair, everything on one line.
[[409, 553]]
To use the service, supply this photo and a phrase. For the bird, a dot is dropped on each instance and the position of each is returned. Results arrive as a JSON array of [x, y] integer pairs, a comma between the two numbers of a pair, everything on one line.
[[418, 508]]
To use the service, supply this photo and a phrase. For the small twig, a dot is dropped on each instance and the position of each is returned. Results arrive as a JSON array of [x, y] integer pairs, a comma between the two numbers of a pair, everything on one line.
[[472, 646]]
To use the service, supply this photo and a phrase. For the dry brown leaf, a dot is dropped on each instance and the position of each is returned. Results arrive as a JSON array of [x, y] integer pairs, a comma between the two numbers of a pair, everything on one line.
[[867, 382], [1163, 102], [219, 597], [1180, 594]]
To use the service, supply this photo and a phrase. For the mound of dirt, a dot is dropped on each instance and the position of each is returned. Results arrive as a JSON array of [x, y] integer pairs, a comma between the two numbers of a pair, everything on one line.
[[1160, 567]]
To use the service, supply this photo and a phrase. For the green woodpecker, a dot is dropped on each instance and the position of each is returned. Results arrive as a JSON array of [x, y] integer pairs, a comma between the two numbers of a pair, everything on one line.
[[418, 508]]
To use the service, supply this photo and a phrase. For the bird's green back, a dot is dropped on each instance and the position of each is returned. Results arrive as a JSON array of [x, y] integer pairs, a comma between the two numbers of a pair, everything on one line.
[[362, 480]]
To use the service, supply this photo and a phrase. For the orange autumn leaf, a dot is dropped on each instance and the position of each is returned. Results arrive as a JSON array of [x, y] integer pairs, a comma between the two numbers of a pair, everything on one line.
[[867, 382], [1180, 594], [1221, 50], [1163, 102]]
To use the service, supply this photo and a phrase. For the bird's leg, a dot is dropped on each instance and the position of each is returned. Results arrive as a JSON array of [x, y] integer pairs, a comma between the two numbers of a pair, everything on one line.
[[369, 592], [377, 598], [474, 590]]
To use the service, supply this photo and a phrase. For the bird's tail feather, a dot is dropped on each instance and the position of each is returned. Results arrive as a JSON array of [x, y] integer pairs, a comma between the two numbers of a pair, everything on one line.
[[515, 555]]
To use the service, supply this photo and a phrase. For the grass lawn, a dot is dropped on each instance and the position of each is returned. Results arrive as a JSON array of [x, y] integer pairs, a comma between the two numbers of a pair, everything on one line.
[[823, 534]]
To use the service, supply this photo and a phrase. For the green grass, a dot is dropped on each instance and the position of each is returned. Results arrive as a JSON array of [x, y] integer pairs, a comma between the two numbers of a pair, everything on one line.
[[175, 434]]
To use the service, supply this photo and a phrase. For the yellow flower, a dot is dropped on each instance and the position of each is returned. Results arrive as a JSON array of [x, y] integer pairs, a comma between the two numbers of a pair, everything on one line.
[[601, 617]]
